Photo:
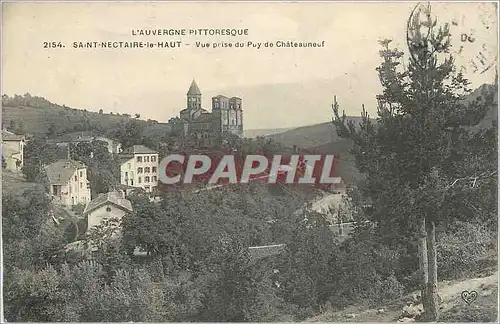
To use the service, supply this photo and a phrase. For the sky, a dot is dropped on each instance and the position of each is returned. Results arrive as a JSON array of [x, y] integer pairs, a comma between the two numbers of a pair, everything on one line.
[[117, 79]]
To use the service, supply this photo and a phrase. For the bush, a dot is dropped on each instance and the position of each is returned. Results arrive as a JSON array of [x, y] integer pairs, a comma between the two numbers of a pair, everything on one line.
[[462, 249]]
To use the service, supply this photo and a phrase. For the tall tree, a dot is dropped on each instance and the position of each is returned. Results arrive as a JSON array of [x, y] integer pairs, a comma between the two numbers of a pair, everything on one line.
[[411, 155]]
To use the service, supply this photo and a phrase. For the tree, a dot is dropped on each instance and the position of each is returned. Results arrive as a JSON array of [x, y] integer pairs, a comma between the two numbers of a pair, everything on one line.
[[101, 111], [12, 126], [137, 116], [130, 133], [411, 154]]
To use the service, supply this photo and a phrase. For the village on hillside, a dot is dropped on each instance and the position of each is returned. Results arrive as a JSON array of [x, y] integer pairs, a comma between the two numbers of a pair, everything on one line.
[[401, 226], [67, 176]]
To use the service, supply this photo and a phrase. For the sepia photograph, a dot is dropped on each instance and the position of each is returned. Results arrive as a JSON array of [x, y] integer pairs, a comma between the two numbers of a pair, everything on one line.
[[239, 161]]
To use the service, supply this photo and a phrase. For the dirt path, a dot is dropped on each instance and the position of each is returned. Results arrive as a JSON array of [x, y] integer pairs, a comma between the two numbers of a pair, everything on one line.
[[452, 305]]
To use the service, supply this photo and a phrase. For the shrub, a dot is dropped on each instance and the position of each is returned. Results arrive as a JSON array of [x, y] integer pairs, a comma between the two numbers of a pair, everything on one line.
[[462, 249]]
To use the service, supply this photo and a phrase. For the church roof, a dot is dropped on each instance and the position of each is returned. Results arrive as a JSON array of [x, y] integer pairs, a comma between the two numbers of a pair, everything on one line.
[[193, 89]]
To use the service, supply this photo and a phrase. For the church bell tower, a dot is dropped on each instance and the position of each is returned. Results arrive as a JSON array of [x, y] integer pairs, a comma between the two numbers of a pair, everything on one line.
[[194, 97]]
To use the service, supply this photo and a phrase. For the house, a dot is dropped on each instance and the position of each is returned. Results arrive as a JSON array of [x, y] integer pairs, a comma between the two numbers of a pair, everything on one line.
[[68, 182], [106, 206], [139, 167], [87, 137], [13, 150]]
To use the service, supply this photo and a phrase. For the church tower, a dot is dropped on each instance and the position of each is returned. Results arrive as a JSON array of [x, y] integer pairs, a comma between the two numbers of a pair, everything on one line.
[[194, 97]]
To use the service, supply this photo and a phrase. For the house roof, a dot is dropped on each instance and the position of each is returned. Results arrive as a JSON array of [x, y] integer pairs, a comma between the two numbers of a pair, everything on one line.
[[121, 186], [124, 158], [61, 171], [193, 89], [9, 136], [260, 252], [112, 197], [219, 96], [138, 149]]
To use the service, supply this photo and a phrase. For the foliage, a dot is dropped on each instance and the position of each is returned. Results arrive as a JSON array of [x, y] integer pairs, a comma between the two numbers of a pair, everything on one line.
[[37, 154], [461, 249], [103, 168], [419, 145], [29, 237]]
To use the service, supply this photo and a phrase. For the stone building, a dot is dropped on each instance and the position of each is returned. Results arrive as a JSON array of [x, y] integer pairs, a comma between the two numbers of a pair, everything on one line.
[[106, 206], [13, 150], [199, 124], [139, 167], [68, 182]]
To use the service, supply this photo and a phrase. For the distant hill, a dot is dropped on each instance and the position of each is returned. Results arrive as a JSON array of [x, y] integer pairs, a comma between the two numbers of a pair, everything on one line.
[[310, 136], [36, 115], [252, 133], [323, 137], [491, 117]]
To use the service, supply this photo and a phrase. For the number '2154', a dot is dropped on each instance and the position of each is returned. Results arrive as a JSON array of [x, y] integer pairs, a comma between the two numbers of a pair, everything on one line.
[[52, 45]]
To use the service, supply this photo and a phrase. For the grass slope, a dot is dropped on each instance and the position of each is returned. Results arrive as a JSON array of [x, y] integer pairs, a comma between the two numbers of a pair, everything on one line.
[[16, 184]]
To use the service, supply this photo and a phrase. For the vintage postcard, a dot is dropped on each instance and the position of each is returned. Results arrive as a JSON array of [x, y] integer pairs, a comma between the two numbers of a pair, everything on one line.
[[247, 161]]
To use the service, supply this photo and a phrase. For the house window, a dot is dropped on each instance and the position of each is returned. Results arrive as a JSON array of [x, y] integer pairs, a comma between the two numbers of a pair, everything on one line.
[[146, 159], [81, 184], [139, 170], [81, 174], [153, 158], [153, 169], [129, 167], [146, 170], [146, 179], [131, 182], [139, 180], [139, 159], [108, 209], [126, 175], [76, 178], [153, 178]]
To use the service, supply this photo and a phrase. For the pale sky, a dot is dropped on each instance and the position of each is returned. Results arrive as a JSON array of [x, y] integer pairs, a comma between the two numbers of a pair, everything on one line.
[[114, 79]]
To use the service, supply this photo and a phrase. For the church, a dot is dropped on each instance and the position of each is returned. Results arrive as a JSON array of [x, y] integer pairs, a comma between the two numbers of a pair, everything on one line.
[[197, 123]]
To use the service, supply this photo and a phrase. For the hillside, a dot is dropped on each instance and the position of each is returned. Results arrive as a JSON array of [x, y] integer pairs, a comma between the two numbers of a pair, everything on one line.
[[38, 116], [252, 133], [16, 184]]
